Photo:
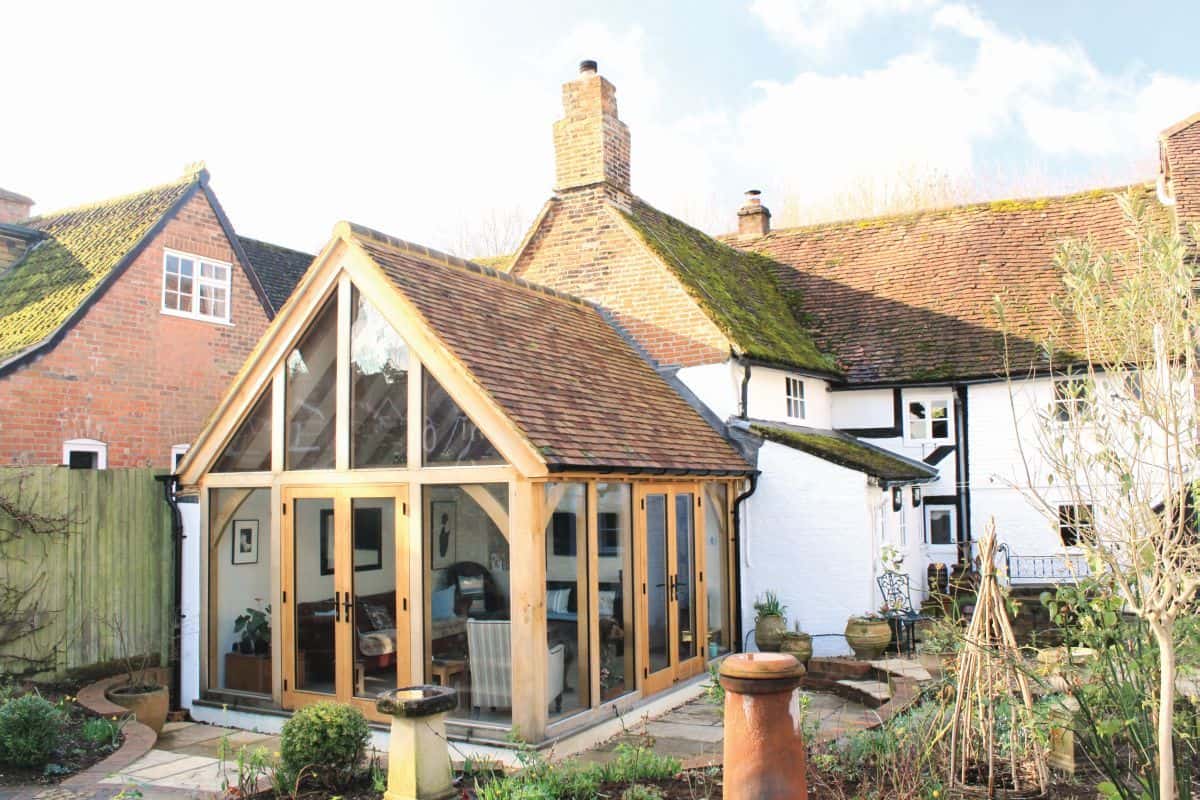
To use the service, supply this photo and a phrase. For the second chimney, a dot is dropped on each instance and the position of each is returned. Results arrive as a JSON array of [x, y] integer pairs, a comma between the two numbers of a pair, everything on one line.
[[14, 207], [754, 219]]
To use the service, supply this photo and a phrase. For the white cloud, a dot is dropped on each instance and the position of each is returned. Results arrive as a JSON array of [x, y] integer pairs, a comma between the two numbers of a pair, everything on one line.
[[814, 25]]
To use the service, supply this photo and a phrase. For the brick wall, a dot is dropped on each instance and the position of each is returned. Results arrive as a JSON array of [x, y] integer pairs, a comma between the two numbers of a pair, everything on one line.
[[583, 248], [128, 375], [591, 144], [13, 210]]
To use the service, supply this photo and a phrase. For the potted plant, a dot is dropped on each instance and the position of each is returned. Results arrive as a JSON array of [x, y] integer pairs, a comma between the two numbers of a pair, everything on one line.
[[868, 634], [255, 629], [769, 623], [798, 643], [940, 640], [145, 697]]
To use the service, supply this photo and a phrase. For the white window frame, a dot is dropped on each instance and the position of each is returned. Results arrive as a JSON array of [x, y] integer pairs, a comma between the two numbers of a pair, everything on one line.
[[929, 401], [1068, 403], [903, 526], [1084, 526], [953, 511], [796, 405], [178, 451], [85, 446], [197, 282]]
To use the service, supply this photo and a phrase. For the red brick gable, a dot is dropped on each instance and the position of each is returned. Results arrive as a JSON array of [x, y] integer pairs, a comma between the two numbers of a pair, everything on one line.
[[1180, 156], [582, 247], [125, 373]]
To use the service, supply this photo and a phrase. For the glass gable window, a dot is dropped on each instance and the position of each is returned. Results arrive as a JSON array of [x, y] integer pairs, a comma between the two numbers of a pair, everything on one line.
[[250, 448], [378, 388], [567, 599], [311, 394], [450, 437]]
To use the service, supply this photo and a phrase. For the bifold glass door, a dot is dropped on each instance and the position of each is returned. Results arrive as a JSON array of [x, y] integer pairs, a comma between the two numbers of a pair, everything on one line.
[[345, 594], [672, 582]]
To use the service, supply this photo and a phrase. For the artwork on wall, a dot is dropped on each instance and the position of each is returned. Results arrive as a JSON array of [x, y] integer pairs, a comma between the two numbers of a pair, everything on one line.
[[245, 541], [368, 540], [443, 532]]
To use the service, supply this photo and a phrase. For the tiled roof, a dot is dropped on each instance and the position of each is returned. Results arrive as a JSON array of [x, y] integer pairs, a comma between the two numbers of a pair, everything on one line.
[[737, 289], [847, 451], [561, 373], [83, 247], [1181, 160], [278, 268], [500, 263], [911, 298]]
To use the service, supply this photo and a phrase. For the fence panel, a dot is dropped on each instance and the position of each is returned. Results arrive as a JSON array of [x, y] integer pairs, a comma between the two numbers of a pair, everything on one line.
[[103, 558]]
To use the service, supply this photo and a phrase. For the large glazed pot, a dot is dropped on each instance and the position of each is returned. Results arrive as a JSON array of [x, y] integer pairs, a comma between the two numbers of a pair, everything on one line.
[[798, 645], [148, 704], [868, 638], [768, 632]]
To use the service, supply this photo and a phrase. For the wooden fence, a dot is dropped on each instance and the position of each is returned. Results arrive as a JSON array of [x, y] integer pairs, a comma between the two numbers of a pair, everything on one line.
[[83, 554]]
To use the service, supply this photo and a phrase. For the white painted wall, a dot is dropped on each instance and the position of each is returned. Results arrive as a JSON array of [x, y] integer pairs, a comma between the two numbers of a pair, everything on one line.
[[241, 586], [808, 537], [768, 398], [862, 408], [189, 645], [717, 385]]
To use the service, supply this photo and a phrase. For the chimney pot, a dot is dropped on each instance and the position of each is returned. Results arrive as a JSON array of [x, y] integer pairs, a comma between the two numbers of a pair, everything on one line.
[[587, 67], [754, 219]]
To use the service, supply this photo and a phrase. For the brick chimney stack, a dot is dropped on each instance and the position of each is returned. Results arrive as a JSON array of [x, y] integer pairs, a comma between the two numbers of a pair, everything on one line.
[[14, 207], [754, 219], [591, 144]]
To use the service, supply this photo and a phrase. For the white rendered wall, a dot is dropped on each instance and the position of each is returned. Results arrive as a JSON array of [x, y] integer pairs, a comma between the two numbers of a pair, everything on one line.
[[808, 538], [864, 408], [717, 385], [189, 646], [768, 398]]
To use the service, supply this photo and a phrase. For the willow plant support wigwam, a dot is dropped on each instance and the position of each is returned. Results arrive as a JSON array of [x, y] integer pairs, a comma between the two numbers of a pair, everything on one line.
[[994, 752]]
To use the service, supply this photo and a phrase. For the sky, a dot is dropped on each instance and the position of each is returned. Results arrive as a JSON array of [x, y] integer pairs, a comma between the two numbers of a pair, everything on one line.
[[431, 120]]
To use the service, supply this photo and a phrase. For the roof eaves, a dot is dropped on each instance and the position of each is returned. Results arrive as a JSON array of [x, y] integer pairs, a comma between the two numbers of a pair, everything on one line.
[[1180, 126], [787, 435], [24, 356], [236, 244]]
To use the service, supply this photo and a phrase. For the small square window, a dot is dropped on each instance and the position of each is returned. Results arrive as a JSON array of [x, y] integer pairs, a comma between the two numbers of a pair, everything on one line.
[[795, 398], [929, 420], [1072, 398], [1075, 524], [85, 454], [939, 525], [178, 451]]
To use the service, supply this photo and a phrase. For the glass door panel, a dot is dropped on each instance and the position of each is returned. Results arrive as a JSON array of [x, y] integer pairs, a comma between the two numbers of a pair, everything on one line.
[[376, 644], [316, 599], [658, 581], [685, 570]]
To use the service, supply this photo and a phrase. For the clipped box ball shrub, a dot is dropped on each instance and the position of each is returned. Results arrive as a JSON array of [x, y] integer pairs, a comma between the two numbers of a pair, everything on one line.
[[325, 742], [30, 727]]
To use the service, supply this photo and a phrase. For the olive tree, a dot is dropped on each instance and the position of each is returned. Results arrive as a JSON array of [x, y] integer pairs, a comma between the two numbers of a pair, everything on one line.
[[1118, 441]]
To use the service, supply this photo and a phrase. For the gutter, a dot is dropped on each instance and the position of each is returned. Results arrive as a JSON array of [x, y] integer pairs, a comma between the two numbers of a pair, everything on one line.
[[170, 483]]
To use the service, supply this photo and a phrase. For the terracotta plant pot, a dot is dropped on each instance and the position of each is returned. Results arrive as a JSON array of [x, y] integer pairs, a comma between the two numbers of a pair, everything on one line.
[[769, 631], [148, 707], [936, 664], [868, 638], [798, 645]]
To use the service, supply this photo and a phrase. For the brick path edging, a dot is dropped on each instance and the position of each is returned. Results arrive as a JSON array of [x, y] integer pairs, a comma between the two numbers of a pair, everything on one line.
[[139, 739]]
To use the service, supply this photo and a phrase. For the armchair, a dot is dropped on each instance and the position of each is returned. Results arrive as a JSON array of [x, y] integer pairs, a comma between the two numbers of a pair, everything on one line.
[[489, 659]]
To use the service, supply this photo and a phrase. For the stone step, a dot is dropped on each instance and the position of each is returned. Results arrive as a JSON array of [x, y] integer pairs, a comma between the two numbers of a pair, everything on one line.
[[904, 668], [878, 691]]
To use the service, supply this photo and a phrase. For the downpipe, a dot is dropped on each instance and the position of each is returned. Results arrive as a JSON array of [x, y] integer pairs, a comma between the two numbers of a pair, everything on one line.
[[170, 484]]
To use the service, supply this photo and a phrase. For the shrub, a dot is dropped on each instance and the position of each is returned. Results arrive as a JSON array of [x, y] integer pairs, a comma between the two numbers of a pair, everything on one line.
[[639, 763], [640, 791], [326, 741], [29, 729], [99, 730]]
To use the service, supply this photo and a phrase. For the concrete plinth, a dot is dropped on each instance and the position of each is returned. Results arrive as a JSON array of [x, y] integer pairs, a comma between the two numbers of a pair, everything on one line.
[[418, 761], [765, 756]]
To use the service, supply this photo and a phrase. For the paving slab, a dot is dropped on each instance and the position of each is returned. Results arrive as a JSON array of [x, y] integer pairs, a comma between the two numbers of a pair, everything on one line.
[[190, 733]]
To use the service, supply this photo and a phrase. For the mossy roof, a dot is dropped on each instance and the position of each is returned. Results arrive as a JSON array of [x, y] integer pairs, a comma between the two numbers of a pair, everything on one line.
[[737, 289], [82, 248], [911, 297], [847, 451], [279, 268]]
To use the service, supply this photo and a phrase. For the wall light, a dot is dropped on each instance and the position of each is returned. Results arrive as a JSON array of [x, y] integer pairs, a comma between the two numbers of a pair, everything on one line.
[[916, 496], [897, 498]]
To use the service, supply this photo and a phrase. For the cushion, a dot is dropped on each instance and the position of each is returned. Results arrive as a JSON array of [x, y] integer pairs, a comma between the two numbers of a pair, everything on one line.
[[557, 600], [608, 598], [443, 603], [377, 643]]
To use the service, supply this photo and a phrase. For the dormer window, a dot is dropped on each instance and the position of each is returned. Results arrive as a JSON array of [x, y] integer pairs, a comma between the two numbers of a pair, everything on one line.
[[195, 287], [795, 398], [928, 420]]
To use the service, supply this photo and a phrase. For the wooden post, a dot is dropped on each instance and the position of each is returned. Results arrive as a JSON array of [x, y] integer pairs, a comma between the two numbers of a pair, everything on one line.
[[527, 557]]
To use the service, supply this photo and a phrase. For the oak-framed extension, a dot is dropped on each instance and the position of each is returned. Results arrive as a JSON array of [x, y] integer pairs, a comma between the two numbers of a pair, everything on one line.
[[438, 566]]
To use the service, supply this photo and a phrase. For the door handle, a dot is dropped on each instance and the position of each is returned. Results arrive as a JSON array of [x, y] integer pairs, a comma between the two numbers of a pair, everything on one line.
[[674, 590], [347, 606], [337, 607]]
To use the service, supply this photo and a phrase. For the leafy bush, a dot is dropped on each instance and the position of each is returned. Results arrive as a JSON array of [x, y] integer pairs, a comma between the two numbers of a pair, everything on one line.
[[574, 780], [30, 727], [99, 730], [326, 741], [640, 791], [638, 764]]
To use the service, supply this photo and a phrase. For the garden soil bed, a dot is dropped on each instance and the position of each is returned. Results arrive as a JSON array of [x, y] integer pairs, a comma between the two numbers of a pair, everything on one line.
[[73, 754]]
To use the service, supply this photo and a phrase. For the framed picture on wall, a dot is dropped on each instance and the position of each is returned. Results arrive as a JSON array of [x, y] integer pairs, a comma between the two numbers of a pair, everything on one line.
[[327, 541], [368, 539], [245, 541], [443, 532]]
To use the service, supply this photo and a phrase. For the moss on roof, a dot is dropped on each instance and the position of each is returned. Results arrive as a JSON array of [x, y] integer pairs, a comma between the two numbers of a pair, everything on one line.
[[82, 247], [736, 288], [845, 450]]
